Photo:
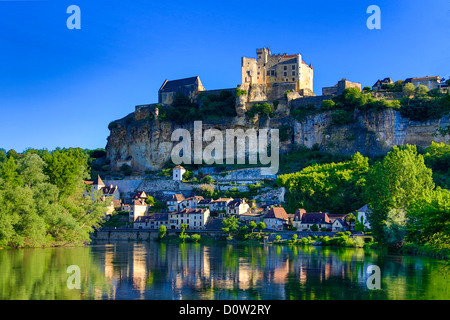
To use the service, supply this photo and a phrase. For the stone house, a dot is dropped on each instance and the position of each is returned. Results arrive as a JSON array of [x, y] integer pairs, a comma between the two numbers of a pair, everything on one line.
[[204, 203], [429, 82], [237, 207], [108, 192], [194, 218], [339, 225], [137, 208], [153, 221], [191, 202], [339, 88], [276, 218], [246, 217], [303, 221], [174, 203], [189, 87], [219, 205], [378, 86]]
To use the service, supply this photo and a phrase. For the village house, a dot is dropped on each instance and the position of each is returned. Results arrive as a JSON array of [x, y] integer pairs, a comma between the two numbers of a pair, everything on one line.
[[339, 88], [153, 221], [276, 218], [257, 217], [220, 205], [378, 86], [110, 192], [191, 202], [429, 82], [237, 207], [193, 218], [136, 208], [174, 203], [303, 221], [204, 203]]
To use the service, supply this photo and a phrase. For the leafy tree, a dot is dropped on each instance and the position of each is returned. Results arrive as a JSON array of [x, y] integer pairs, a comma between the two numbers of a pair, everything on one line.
[[261, 226], [421, 90], [195, 237], [314, 228], [12, 154], [252, 225], [230, 225], [394, 183], [429, 216], [162, 231]]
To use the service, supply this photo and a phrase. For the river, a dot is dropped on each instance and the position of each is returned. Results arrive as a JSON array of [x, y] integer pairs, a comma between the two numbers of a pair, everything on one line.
[[125, 270]]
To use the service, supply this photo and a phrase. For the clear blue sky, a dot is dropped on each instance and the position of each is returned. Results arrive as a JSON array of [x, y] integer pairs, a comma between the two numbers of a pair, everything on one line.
[[61, 87]]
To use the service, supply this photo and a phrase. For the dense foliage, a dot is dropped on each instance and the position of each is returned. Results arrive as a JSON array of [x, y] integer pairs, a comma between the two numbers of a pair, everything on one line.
[[328, 187], [42, 199], [404, 202], [417, 104]]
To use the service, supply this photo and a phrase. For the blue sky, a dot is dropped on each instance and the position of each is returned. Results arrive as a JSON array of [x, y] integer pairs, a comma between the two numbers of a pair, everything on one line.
[[61, 87]]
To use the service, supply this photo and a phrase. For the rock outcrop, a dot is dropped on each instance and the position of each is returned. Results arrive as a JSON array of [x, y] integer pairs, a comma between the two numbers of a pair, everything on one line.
[[144, 142]]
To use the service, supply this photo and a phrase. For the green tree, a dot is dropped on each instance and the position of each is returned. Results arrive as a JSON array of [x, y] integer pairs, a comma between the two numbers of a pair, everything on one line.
[[421, 90], [162, 231], [394, 183], [196, 237], [252, 225], [261, 226], [230, 225], [408, 89]]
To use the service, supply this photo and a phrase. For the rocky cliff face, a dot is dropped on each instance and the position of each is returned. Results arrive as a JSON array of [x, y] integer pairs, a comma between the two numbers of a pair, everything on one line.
[[145, 143]]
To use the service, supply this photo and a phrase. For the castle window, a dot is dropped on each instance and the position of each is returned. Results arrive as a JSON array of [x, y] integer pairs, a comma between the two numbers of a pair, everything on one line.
[[293, 67], [285, 67], [293, 79], [285, 74], [293, 73]]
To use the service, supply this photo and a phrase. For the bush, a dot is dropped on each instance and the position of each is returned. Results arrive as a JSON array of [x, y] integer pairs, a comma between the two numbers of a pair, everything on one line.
[[262, 109], [195, 237], [341, 117]]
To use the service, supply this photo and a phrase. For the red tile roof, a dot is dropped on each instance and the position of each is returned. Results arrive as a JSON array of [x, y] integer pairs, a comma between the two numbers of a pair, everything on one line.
[[277, 213]]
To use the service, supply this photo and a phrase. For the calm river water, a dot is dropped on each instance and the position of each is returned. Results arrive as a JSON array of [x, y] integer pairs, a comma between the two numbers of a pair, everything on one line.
[[167, 271]]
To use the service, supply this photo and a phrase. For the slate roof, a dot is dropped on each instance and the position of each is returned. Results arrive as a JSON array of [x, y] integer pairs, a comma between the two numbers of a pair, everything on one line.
[[169, 86], [315, 217], [235, 203]]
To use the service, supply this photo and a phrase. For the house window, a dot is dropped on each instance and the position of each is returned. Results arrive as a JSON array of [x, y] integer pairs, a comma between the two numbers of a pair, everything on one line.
[[293, 73], [285, 74]]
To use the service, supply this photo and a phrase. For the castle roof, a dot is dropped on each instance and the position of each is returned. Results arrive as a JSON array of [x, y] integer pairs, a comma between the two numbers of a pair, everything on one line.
[[173, 84]]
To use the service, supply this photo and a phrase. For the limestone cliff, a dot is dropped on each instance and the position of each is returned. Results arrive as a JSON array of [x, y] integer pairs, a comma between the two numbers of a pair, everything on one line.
[[144, 142]]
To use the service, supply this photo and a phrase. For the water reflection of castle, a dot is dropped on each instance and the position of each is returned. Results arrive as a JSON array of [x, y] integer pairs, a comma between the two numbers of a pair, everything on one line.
[[172, 271]]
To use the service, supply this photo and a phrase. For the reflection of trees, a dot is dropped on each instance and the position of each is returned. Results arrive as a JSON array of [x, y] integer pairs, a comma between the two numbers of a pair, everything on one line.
[[40, 274]]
